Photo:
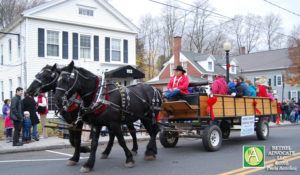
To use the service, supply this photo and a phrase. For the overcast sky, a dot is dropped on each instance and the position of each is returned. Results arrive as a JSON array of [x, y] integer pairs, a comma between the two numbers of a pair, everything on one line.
[[135, 9]]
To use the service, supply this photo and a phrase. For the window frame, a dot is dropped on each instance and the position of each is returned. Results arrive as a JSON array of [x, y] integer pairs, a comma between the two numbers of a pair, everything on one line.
[[211, 66], [59, 43], [1, 55], [121, 50], [10, 83], [2, 90], [9, 50], [277, 82], [296, 92], [91, 46], [171, 69], [82, 9]]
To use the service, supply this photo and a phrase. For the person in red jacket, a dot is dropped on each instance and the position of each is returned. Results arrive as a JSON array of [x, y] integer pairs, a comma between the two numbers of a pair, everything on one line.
[[261, 90], [178, 84], [219, 86]]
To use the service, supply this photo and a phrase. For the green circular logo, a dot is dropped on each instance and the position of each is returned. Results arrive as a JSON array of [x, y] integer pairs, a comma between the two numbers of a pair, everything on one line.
[[253, 156]]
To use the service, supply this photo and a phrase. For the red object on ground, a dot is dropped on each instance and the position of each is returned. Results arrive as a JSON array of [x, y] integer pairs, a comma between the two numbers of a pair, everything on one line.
[[211, 101], [257, 111], [278, 108], [277, 120]]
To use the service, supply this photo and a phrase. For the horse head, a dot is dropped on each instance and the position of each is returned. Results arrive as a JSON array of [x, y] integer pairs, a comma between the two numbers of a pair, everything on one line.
[[44, 81]]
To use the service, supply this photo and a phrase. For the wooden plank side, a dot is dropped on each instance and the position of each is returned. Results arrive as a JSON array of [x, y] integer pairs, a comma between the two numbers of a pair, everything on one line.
[[203, 106]]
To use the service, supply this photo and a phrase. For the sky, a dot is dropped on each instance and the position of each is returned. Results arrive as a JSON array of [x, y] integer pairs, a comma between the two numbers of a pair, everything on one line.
[[135, 9]]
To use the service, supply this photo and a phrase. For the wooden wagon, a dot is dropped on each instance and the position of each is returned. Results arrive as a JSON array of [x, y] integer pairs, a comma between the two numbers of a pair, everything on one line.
[[211, 118]]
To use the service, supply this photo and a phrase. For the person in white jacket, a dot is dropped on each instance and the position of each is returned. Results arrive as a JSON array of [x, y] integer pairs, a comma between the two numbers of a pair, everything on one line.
[[43, 111]]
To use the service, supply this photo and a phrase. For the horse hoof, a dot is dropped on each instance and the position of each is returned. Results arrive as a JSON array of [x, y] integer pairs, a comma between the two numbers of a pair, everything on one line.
[[71, 163], [134, 153], [103, 156], [85, 169], [149, 157], [129, 165]]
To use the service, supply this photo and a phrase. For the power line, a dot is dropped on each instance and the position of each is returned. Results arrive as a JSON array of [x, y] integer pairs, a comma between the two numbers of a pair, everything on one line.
[[220, 15], [282, 8]]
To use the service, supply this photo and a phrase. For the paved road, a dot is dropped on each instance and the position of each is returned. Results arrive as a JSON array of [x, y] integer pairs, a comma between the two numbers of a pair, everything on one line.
[[188, 158]]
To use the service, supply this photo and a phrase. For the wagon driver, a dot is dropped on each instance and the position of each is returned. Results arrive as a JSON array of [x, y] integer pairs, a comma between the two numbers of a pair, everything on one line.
[[178, 84]]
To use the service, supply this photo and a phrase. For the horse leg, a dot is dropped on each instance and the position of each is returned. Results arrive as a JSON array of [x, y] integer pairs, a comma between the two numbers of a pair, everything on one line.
[[116, 128], [151, 150], [88, 166], [134, 139], [110, 144]]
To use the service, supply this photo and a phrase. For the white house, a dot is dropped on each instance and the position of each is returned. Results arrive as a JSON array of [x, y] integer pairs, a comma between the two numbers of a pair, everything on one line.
[[90, 32]]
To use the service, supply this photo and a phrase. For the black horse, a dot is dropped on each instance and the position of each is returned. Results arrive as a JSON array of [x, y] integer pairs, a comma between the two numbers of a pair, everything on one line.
[[139, 100], [45, 81]]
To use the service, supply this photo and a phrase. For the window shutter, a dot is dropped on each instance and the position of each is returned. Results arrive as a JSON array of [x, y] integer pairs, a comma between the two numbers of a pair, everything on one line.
[[289, 95], [125, 51], [75, 46], [41, 42], [65, 52], [96, 48], [107, 49], [275, 80], [298, 96]]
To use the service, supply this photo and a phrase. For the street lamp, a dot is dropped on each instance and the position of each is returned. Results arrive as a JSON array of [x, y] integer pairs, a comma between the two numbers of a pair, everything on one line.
[[227, 47]]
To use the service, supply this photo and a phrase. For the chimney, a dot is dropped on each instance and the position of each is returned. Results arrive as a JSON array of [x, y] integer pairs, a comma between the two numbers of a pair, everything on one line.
[[243, 50], [177, 48]]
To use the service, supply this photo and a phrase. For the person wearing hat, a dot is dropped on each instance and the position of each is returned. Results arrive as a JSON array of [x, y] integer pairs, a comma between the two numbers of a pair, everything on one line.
[[261, 90], [26, 128], [178, 84]]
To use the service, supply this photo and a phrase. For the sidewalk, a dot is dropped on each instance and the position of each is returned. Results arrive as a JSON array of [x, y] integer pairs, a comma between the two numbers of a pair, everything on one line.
[[273, 125], [56, 143]]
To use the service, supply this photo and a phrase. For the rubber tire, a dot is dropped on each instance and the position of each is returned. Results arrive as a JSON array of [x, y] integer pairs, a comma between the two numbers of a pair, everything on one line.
[[225, 128], [206, 138], [259, 130], [163, 138]]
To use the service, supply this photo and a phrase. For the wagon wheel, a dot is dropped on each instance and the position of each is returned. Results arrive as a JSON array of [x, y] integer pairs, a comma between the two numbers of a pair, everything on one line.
[[212, 138], [168, 139], [225, 128], [262, 130]]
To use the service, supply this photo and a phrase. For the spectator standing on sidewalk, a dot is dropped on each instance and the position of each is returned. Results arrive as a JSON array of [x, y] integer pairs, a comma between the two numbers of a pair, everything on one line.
[[26, 128], [30, 106], [43, 111], [16, 114], [8, 128], [5, 108]]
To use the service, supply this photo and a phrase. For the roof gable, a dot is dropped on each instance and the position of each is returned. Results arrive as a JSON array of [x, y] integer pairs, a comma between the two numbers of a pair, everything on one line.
[[105, 16]]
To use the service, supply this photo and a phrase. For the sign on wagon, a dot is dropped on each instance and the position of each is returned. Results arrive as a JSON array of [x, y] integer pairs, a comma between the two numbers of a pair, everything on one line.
[[247, 127]]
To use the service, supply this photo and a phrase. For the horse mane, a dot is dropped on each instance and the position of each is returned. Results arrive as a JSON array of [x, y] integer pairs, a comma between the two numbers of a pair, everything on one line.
[[85, 72]]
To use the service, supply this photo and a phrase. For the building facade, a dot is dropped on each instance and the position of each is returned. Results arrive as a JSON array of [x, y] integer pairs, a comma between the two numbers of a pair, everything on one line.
[[272, 65], [91, 33]]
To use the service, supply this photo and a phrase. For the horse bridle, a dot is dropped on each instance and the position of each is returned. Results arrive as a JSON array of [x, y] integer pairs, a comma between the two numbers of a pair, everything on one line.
[[47, 84]]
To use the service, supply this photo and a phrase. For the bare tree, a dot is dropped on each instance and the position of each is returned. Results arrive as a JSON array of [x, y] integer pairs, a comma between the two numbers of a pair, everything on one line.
[[294, 37], [272, 25], [252, 32], [10, 9], [235, 28], [150, 33], [198, 26]]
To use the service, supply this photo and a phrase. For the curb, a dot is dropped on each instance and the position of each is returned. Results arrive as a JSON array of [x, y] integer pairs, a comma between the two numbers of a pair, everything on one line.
[[40, 148]]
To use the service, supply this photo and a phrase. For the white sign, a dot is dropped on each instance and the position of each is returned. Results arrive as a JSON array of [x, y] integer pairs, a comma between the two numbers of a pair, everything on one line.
[[129, 71], [247, 127]]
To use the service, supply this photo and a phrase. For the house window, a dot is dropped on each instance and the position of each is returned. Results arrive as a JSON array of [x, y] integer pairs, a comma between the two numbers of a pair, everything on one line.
[[209, 65], [2, 90], [1, 54], [116, 50], [85, 12], [279, 80], [52, 43], [232, 68], [184, 66], [19, 82], [51, 101], [294, 95], [10, 88], [171, 69], [9, 49], [85, 46]]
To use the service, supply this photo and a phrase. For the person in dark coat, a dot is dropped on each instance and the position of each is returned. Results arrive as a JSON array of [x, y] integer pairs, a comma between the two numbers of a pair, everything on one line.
[[16, 115], [239, 88], [30, 106]]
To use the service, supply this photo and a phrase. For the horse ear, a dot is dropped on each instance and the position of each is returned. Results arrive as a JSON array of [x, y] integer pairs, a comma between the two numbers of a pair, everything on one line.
[[53, 69], [71, 66]]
